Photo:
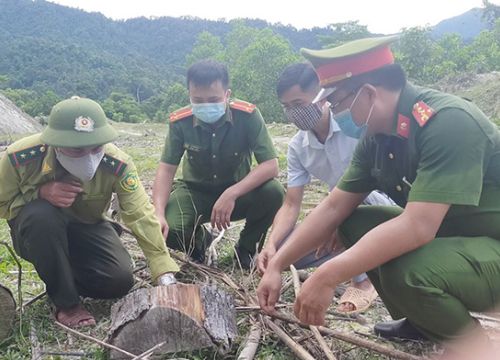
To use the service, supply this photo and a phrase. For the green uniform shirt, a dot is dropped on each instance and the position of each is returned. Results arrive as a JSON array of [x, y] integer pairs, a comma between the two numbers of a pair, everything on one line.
[[443, 149], [219, 155], [28, 164]]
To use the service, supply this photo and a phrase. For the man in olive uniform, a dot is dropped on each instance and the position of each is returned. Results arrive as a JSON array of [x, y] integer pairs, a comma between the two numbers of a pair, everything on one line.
[[217, 137], [436, 257], [55, 189]]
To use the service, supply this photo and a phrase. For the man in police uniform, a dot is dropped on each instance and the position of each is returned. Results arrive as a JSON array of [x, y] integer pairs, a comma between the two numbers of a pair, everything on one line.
[[321, 150], [438, 256], [218, 137], [55, 189]]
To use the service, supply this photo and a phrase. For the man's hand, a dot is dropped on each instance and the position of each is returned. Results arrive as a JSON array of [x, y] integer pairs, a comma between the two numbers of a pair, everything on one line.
[[264, 257], [163, 224], [331, 245], [313, 300], [167, 279], [268, 291], [222, 210], [60, 194]]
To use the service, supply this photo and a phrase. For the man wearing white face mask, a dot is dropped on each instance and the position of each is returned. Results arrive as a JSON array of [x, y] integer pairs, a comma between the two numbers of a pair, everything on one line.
[[217, 138], [55, 190], [320, 150]]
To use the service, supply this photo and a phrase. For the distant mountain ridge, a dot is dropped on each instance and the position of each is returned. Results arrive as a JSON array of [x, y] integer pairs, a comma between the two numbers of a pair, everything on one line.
[[468, 25]]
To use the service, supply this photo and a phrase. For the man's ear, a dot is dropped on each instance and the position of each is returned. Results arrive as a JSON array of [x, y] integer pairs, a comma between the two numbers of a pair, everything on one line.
[[371, 91]]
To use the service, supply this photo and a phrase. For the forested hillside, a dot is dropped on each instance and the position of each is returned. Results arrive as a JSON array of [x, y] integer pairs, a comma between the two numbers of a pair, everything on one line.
[[136, 68]]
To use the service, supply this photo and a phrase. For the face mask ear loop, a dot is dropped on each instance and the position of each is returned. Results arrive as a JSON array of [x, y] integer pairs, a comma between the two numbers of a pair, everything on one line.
[[369, 114]]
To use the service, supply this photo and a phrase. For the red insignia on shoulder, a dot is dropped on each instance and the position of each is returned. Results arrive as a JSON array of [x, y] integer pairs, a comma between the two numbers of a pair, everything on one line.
[[422, 113], [181, 114], [403, 129], [243, 106]]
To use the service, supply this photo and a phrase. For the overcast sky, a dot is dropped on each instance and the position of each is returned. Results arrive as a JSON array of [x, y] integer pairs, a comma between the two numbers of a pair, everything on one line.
[[381, 16]]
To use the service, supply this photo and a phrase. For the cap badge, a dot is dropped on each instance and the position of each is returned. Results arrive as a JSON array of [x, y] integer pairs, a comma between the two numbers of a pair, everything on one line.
[[84, 124]]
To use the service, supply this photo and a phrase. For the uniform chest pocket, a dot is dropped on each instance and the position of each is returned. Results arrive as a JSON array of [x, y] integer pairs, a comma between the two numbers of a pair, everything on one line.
[[232, 159], [196, 154]]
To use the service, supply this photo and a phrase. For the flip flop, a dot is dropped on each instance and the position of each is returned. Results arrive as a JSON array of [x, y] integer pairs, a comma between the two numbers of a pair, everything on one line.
[[76, 317], [361, 299]]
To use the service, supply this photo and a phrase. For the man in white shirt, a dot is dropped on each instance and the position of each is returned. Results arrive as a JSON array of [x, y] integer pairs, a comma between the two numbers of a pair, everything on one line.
[[321, 150]]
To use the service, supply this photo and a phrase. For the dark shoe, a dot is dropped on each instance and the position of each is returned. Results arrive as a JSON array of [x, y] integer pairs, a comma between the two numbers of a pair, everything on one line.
[[245, 257], [401, 329]]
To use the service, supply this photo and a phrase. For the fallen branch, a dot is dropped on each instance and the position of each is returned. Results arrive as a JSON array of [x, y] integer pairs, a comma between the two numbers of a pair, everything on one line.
[[355, 340], [296, 348], [35, 299], [146, 354], [251, 342], [97, 341], [322, 343]]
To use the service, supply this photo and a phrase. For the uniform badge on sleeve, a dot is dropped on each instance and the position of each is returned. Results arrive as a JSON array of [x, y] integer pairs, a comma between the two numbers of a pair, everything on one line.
[[84, 124], [130, 182]]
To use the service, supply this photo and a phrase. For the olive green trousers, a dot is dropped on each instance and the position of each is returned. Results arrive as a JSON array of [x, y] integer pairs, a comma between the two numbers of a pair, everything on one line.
[[436, 286], [72, 259], [189, 207]]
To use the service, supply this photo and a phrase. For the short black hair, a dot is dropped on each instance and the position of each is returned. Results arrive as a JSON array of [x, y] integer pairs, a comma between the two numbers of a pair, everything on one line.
[[301, 74], [390, 77], [206, 72]]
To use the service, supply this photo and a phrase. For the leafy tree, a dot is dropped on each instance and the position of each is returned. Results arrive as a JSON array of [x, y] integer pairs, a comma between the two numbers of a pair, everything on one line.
[[123, 107], [207, 46], [491, 12], [343, 32], [256, 72]]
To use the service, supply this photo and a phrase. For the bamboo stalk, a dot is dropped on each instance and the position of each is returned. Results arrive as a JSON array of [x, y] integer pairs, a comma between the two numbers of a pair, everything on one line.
[[322, 343], [355, 340], [296, 348]]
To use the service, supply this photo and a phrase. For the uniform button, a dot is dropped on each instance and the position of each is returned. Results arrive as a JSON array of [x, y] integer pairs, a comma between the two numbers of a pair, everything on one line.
[[399, 188], [214, 156], [215, 176], [391, 156], [235, 154], [213, 134]]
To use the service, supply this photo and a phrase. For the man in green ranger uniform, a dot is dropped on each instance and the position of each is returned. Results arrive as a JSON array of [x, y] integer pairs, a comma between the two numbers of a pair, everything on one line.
[[437, 256], [55, 190], [217, 137]]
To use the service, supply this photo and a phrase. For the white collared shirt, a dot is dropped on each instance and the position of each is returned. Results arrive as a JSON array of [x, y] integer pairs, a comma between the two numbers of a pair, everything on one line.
[[327, 162]]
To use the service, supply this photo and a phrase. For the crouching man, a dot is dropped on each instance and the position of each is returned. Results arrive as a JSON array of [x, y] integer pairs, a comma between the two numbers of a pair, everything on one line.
[[55, 189]]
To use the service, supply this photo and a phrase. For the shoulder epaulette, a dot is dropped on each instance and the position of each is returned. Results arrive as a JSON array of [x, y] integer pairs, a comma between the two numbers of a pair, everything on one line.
[[242, 105], [114, 165], [422, 113], [24, 156], [181, 114]]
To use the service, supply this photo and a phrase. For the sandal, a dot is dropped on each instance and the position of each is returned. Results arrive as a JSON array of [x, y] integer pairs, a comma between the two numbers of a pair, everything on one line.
[[361, 299], [76, 317]]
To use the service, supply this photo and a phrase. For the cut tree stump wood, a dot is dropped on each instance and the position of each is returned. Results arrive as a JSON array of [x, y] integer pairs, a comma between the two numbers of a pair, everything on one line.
[[185, 317], [7, 312]]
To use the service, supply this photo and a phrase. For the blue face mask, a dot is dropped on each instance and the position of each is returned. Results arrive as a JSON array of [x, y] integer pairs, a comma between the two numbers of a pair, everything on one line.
[[209, 113], [346, 122], [348, 126]]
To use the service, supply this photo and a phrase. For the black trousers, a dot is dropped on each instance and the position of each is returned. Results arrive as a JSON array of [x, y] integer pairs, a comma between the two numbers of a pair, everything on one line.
[[72, 259]]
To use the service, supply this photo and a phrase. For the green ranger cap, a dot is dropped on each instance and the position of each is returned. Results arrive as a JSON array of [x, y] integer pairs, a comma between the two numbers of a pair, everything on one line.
[[78, 122], [350, 59]]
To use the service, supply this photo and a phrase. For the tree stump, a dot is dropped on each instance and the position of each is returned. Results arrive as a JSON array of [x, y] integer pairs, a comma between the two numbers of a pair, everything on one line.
[[185, 317], [7, 312]]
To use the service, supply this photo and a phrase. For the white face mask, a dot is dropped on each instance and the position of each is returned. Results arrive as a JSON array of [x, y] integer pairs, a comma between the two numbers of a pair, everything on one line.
[[83, 167]]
